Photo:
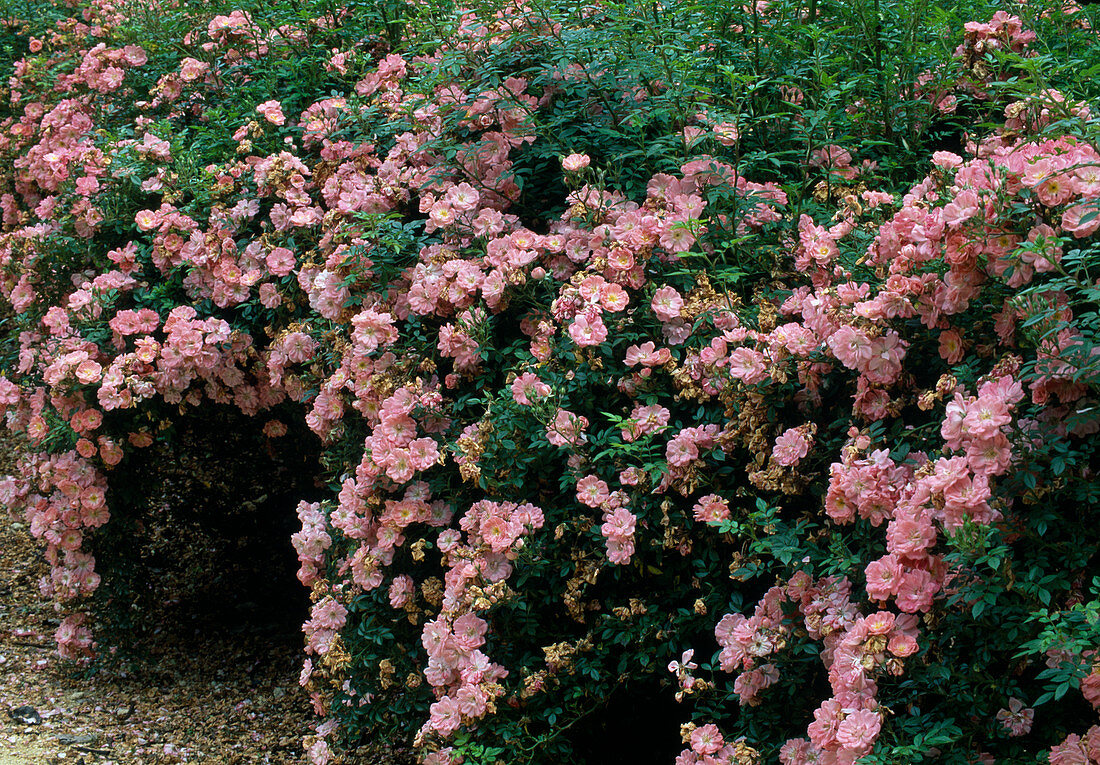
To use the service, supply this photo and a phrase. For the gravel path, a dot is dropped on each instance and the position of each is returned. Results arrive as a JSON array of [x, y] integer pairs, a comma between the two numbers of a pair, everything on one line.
[[197, 693]]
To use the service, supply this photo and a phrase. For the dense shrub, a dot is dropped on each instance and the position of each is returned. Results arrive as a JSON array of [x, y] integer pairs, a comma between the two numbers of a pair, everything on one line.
[[735, 357]]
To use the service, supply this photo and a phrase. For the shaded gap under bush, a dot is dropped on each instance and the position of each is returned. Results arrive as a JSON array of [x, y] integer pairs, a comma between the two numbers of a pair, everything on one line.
[[639, 722], [200, 535]]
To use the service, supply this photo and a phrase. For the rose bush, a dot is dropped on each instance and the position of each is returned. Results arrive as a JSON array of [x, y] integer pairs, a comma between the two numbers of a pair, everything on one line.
[[721, 361]]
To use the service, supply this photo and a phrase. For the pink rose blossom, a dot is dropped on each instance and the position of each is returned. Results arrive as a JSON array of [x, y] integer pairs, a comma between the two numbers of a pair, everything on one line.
[[859, 730], [528, 388], [791, 446], [575, 162], [272, 112], [667, 303]]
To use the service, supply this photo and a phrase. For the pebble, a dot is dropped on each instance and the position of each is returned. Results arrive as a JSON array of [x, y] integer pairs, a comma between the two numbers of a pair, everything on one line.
[[26, 715]]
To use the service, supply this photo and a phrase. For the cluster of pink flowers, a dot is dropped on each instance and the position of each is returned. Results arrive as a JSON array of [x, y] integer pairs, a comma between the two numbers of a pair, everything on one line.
[[393, 456], [326, 617], [817, 245], [856, 648], [1078, 750], [393, 446], [237, 29], [457, 342], [950, 491], [627, 237], [64, 496], [209, 352], [648, 355], [57, 149], [963, 226], [868, 485], [707, 746], [1001, 31], [456, 665], [74, 639], [103, 69], [976, 426], [311, 542], [619, 523], [464, 678], [977, 60], [688, 445]]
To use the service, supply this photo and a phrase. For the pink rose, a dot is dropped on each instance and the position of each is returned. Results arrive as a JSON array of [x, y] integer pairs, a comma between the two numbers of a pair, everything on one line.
[[575, 162]]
